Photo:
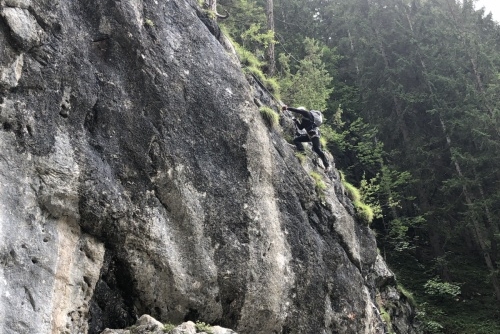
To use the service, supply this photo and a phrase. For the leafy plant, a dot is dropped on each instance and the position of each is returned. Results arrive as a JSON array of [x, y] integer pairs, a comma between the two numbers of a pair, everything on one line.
[[203, 327], [309, 83], [436, 287], [246, 57], [432, 327], [252, 65], [168, 327], [369, 191], [149, 22], [257, 35], [248, 25], [269, 83]]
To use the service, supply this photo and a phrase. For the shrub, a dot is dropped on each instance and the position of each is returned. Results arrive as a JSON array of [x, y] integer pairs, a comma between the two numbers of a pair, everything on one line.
[[363, 210], [252, 65], [386, 317], [320, 185], [407, 294], [435, 287], [432, 327], [318, 179], [246, 57], [168, 327], [271, 85], [301, 156], [203, 327], [270, 116], [352, 192]]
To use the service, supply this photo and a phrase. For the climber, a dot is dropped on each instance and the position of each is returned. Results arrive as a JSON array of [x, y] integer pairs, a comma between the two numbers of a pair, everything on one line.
[[311, 124]]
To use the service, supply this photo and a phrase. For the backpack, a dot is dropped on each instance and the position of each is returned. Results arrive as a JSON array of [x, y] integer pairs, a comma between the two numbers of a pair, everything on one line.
[[317, 117]]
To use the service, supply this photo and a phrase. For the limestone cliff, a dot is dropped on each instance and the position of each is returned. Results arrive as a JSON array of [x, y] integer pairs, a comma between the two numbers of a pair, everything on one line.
[[138, 177]]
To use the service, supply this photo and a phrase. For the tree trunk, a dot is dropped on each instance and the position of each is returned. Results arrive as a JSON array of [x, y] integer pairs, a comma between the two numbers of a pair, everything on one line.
[[271, 59], [352, 51], [212, 7]]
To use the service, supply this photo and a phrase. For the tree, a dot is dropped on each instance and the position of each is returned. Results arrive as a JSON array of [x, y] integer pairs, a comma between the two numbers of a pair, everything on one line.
[[271, 68], [309, 84]]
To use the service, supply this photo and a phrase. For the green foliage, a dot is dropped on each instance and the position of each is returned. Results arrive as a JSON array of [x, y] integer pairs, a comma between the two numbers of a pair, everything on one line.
[[256, 35], [408, 295], [301, 156], [318, 179], [413, 121], [363, 210], [369, 190], [359, 140], [436, 287], [331, 137], [168, 327], [328, 135], [427, 315], [323, 141], [386, 317], [270, 84], [319, 184], [273, 86], [246, 57], [252, 65], [460, 317], [397, 232], [352, 192], [309, 84], [149, 23], [432, 327], [210, 14], [270, 116], [203, 327], [247, 23], [247, 27], [473, 311]]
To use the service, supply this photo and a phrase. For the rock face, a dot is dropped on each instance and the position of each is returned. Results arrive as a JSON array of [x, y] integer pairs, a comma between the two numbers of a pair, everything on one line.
[[149, 325], [138, 177]]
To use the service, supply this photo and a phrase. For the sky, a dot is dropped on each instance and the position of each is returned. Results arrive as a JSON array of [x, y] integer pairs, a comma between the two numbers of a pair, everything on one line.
[[492, 6]]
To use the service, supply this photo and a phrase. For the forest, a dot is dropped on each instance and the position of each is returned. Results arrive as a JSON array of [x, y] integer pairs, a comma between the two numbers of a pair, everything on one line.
[[410, 90]]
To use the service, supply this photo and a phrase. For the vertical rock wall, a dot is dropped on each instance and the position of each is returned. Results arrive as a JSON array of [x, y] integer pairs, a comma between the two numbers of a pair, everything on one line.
[[137, 176]]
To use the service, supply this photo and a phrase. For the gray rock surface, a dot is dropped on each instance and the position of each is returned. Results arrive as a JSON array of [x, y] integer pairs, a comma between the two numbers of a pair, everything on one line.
[[148, 325], [137, 177]]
